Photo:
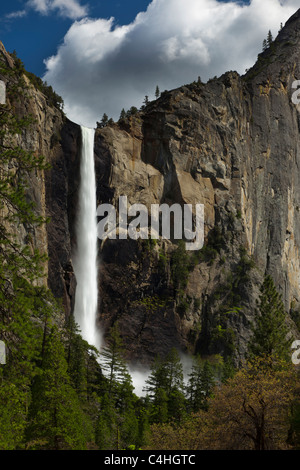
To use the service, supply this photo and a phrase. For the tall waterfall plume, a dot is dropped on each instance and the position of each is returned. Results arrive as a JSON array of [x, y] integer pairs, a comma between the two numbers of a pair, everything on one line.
[[85, 260]]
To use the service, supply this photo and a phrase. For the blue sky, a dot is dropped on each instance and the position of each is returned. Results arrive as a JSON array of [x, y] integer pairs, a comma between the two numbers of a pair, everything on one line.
[[100, 65], [35, 36]]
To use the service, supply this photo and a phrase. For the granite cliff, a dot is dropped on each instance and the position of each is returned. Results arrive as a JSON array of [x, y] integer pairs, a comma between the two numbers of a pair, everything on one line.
[[232, 144]]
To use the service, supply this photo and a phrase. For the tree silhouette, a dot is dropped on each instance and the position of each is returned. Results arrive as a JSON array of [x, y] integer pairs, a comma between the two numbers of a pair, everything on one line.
[[270, 332], [269, 38]]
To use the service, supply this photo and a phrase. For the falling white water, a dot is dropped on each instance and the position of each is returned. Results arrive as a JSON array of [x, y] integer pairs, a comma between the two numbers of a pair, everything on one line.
[[85, 260]]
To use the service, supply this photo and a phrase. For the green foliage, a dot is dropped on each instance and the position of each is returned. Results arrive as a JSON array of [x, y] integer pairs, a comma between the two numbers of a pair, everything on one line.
[[83, 368], [183, 307], [223, 338], [229, 298], [129, 117], [146, 101], [165, 388], [55, 417], [159, 409], [118, 424], [180, 267], [270, 330], [295, 315], [122, 115], [53, 99], [265, 45], [112, 361], [294, 435], [163, 261], [133, 111], [107, 432], [211, 249], [201, 383], [152, 303], [105, 121], [269, 38], [13, 412]]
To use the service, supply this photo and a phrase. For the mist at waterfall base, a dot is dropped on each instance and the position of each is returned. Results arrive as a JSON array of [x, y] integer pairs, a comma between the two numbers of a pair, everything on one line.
[[140, 374], [86, 263]]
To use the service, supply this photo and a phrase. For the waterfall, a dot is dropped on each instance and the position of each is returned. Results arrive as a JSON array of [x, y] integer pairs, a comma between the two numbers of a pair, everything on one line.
[[85, 260]]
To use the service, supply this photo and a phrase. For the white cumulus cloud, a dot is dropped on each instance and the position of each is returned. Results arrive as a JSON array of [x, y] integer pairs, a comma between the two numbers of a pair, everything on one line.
[[16, 14], [69, 8], [102, 67]]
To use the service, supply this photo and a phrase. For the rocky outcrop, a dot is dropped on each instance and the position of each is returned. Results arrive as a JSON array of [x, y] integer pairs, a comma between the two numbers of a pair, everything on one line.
[[61, 186], [52, 191], [233, 145]]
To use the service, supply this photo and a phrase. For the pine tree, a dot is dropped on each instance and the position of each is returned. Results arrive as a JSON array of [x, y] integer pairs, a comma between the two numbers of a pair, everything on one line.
[[104, 121], [165, 388], [143, 425], [128, 418], [106, 427], [112, 361], [200, 384], [270, 332], [174, 372], [75, 348], [265, 45], [294, 433], [177, 406], [133, 111], [157, 378], [13, 415], [157, 92], [117, 424], [269, 38], [159, 410], [180, 268], [122, 115], [166, 374], [56, 419]]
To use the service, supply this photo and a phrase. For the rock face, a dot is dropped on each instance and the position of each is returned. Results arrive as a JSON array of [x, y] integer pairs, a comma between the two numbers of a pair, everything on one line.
[[61, 187], [233, 145], [53, 191]]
